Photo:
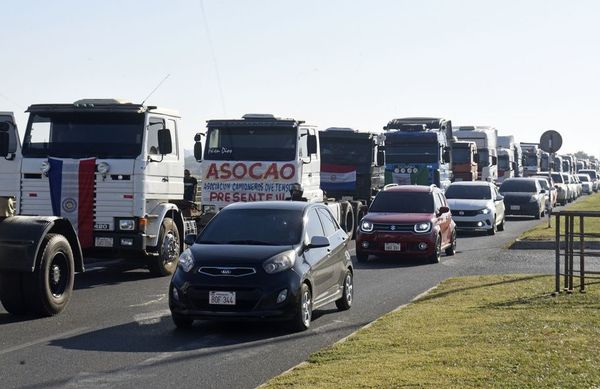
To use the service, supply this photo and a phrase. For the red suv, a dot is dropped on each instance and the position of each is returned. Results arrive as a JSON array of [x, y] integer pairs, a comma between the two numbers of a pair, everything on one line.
[[407, 220]]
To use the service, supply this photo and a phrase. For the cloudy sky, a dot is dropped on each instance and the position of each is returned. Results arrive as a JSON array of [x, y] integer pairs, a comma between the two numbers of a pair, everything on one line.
[[521, 66]]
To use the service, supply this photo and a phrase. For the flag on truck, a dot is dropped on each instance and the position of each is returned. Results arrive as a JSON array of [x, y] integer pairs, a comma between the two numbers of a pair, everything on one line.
[[338, 177], [72, 194]]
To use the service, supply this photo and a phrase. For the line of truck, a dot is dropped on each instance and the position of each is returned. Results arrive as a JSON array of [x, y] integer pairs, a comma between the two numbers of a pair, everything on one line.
[[104, 178]]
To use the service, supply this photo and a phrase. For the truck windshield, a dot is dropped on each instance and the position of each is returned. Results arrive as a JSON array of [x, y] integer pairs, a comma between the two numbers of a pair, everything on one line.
[[484, 158], [461, 155], [402, 202], [84, 134], [412, 152], [531, 160], [251, 144], [503, 162], [342, 151], [470, 192]]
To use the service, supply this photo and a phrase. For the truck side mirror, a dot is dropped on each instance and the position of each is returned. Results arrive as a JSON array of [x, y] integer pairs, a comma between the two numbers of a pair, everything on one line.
[[4, 143], [380, 157], [312, 144], [165, 145], [198, 151], [446, 154]]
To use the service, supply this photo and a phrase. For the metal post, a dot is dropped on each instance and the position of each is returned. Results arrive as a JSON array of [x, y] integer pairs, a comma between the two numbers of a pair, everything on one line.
[[557, 252], [581, 255], [571, 250], [566, 287]]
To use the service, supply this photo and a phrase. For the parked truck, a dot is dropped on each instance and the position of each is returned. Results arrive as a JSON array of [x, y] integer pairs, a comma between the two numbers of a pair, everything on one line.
[[352, 166], [486, 140], [508, 142], [464, 161], [418, 151], [506, 164], [532, 159], [545, 161], [558, 164], [262, 157]]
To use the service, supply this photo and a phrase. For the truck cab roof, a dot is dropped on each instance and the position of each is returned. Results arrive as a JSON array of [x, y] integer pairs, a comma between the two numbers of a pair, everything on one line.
[[256, 120], [99, 106]]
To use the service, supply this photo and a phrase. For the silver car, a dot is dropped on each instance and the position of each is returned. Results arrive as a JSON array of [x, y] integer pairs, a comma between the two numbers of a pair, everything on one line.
[[586, 183], [476, 206]]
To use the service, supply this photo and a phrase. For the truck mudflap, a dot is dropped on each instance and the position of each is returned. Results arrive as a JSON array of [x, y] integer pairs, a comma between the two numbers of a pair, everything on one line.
[[21, 237]]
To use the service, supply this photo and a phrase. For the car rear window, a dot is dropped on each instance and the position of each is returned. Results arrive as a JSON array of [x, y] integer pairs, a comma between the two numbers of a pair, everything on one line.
[[470, 192], [518, 186], [557, 177], [583, 178], [273, 227], [403, 202]]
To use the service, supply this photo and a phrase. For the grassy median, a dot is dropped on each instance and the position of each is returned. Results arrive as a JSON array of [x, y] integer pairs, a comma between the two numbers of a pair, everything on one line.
[[587, 203], [487, 331]]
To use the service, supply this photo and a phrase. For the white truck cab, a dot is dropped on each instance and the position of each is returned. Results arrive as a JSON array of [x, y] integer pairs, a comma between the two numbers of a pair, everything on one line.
[[114, 169]]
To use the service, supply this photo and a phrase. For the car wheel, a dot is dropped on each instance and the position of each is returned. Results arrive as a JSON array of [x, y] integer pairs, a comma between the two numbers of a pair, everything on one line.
[[501, 225], [451, 250], [362, 257], [537, 215], [437, 252], [492, 231], [182, 322], [301, 321], [345, 302], [168, 249]]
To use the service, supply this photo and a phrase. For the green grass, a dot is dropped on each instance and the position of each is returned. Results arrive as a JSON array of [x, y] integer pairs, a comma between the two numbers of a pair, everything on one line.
[[487, 331], [588, 203]]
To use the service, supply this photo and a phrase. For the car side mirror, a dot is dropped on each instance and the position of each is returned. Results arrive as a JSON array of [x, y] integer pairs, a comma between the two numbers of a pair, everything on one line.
[[4, 143], [190, 239], [197, 148], [165, 145], [499, 198], [318, 241], [312, 144]]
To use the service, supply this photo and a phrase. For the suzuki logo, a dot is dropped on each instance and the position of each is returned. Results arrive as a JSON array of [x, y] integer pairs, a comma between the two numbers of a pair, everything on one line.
[[393, 228], [225, 271]]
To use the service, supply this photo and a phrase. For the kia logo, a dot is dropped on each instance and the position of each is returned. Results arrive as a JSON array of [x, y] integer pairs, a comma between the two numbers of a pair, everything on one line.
[[225, 271]]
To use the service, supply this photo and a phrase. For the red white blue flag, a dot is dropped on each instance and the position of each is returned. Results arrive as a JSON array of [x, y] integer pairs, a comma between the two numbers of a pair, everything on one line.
[[72, 194], [338, 177]]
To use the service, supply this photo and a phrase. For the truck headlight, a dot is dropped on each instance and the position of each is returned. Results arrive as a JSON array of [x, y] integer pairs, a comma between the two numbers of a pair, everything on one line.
[[186, 260], [422, 227], [126, 224], [366, 226], [103, 168], [280, 262], [45, 168]]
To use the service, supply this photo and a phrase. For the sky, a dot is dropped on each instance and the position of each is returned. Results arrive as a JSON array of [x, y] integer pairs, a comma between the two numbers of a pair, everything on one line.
[[523, 67]]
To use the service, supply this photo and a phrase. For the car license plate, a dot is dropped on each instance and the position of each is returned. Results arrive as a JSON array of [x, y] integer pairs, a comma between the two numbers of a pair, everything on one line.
[[515, 207], [221, 298], [392, 246], [103, 242]]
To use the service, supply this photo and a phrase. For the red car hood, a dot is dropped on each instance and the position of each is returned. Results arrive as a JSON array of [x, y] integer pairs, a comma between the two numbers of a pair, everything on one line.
[[400, 218]]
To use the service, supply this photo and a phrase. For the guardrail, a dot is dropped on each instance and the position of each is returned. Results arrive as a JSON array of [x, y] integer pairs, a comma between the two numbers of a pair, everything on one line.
[[575, 245]]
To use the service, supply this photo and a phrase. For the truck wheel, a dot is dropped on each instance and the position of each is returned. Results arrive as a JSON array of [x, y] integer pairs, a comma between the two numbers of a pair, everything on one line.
[[347, 218], [51, 284], [168, 249], [11, 292], [360, 213]]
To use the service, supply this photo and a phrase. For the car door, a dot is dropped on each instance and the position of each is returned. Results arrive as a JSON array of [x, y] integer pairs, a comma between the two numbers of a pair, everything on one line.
[[335, 268], [316, 257]]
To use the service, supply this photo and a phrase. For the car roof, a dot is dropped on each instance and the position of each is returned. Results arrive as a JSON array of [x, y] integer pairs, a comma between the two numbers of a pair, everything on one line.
[[471, 183], [521, 179], [411, 188], [275, 205]]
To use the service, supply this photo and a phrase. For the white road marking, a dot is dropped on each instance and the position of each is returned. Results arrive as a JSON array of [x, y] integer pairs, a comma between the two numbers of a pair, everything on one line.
[[148, 318], [160, 298], [44, 340]]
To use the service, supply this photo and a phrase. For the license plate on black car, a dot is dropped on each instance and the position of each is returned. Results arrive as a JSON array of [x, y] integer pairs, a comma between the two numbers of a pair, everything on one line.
[[221, 298]]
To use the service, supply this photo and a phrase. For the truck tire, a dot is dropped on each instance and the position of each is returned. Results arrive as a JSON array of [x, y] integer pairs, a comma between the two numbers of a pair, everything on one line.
[[168, 249], [50, 286], [360, 212], [11, 293], [347, 218]]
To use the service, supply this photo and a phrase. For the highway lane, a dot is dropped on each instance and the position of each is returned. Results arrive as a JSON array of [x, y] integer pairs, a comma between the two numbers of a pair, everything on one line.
[[117, 331]]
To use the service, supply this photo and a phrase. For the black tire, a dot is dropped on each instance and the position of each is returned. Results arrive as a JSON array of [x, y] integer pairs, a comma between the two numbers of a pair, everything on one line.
[[168, 250], [345, 302], [361, 257], [494, 229], [11, 293], [537, 215], [451, 250], [301, 320], [435, 257], [360, 213], [347, 218], [501, 225], [51, 284], [182, 322]]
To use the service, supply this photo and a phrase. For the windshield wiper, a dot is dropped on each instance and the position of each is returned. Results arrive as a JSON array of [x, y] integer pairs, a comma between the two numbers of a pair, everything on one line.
[[251, 242]]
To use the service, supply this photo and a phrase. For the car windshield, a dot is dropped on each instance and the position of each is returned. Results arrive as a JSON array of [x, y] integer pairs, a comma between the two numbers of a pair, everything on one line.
[[557, 177], [272, 227], [527, 186], [470, 192], [402, 202], [84, 134]]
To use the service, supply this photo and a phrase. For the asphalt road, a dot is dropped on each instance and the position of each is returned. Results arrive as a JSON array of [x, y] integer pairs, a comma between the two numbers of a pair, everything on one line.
[[117, 332]]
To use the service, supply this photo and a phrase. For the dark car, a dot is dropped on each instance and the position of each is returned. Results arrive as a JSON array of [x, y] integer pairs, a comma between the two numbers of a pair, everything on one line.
[[407, 220], [272, 260], [524, 196]]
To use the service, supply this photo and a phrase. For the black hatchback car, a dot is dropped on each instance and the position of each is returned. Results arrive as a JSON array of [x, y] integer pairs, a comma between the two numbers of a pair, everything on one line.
[[271, 259], [523, 196]]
